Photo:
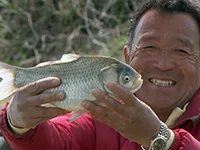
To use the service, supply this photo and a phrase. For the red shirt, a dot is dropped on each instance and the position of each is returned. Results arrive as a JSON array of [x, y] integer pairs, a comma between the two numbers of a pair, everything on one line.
[[87, 133]]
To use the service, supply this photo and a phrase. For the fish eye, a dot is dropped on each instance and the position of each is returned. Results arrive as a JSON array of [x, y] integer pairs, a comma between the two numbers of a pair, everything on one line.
[[126, 78]]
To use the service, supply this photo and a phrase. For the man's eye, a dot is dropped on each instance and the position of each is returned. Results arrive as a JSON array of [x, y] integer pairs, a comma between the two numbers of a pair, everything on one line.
[[149, 47], [182, 51]]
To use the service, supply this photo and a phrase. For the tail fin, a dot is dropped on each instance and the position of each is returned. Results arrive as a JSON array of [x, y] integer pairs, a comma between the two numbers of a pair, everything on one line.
[[7, 86]]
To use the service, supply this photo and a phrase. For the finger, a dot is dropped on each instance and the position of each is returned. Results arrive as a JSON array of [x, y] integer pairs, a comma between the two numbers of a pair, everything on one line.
[[110, 102], [104, 115], [123, 93], [97, 111], [46, 97], [93, 108], [45, 113], [111, 119], [41, 85]]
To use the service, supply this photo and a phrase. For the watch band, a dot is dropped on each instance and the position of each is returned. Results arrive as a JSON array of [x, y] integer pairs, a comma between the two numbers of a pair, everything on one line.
[[163, 130], [160, 141]]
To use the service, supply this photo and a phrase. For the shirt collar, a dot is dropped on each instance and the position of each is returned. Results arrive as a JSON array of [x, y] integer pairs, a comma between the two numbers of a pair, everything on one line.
[[190, 110], [175, 115]]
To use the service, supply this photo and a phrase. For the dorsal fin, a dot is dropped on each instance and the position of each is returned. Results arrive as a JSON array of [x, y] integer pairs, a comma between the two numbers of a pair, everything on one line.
[[64, 59], [69, 57]]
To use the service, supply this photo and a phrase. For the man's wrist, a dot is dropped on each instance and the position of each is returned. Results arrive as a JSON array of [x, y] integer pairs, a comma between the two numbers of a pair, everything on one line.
[[163, 140], [14, 129]]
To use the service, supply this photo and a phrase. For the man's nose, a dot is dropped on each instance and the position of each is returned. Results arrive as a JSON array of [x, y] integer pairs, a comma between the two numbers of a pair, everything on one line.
[[164, 62]]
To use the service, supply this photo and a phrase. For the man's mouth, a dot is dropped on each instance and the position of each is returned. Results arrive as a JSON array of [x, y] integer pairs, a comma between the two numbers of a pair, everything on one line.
[[163, 83]]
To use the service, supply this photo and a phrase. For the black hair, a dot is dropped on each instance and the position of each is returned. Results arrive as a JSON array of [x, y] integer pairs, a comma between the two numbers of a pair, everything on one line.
[[169, 6]]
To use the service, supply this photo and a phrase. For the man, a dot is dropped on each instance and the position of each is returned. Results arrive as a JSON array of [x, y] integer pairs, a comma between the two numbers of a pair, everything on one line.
[[164, 47]]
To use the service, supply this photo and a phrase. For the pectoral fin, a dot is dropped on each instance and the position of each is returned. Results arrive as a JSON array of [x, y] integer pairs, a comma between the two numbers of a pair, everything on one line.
[[76, 114]]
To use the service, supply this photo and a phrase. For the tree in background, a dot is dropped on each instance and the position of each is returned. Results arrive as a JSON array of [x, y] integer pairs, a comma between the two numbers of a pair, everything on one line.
[[32, 31]]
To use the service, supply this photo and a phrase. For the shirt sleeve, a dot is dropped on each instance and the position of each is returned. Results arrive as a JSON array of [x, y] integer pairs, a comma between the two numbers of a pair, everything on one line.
[[183, 140], [54, 134]]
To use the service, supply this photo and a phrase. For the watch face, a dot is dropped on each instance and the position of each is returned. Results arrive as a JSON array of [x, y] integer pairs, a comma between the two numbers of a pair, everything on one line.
[[159, 144]]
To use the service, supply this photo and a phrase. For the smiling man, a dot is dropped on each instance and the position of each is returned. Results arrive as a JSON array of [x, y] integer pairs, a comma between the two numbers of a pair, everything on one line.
[[165, 51], [164, 47]]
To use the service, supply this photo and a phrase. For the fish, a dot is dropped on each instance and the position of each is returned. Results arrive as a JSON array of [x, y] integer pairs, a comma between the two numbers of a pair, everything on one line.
[[79, 75]]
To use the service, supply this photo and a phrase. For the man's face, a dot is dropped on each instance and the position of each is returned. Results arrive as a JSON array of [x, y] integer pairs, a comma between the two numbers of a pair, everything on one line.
[[166, 53]]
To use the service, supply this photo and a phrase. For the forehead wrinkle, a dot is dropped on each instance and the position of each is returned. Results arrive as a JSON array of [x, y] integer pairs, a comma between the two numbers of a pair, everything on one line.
[[148, 37]]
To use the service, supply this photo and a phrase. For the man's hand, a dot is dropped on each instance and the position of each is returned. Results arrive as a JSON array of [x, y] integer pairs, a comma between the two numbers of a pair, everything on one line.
[[25, 110], [125, 113]]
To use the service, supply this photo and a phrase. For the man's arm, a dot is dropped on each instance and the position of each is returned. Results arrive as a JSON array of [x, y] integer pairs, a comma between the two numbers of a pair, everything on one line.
[[56, 133], [134, 119], [25, 111]]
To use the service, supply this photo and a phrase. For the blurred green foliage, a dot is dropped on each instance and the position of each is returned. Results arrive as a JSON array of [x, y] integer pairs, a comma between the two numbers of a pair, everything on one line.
[[39, 30]]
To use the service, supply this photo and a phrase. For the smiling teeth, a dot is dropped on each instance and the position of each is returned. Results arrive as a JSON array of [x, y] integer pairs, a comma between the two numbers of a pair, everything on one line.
[[162, 83]]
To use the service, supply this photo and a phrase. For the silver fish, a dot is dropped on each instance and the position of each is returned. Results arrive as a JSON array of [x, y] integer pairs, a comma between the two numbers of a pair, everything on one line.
[[79, 75]]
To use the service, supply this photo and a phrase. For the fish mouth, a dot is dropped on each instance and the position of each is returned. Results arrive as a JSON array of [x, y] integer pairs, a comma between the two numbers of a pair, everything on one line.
[[137, 85]]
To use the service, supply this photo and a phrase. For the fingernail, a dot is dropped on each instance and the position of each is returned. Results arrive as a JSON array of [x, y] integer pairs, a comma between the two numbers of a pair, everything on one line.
[[60, 94], [56, 81], [110, 84], [95, 92], [84, 104]]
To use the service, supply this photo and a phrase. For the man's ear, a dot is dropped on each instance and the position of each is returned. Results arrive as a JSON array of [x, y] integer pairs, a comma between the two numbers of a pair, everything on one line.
[[126, 53]]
